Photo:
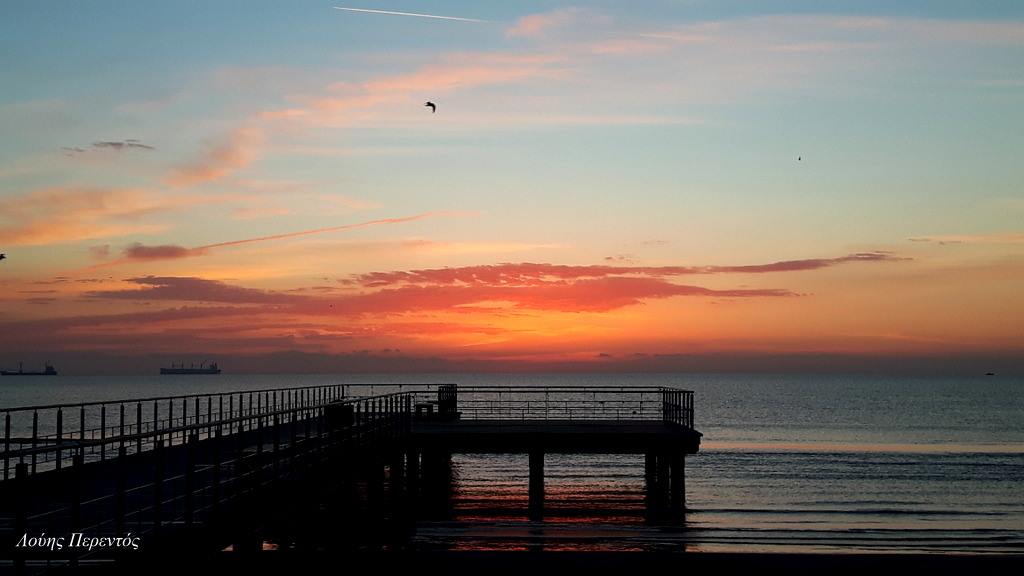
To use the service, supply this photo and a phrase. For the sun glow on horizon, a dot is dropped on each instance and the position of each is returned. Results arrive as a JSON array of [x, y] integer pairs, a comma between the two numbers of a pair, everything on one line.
[[601, 187]]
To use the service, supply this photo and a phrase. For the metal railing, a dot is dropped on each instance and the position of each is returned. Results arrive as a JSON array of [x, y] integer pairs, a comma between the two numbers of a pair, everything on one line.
[[50, 437], [170, 485], [677, 407], [609, 403]]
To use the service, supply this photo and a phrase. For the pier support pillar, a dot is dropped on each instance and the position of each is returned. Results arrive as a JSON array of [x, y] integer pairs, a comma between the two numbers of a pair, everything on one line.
[[412, 463], [374, 470], [651, 484], [677, 490], [437, 483], [536, 484], [661, 491], [396, 471]]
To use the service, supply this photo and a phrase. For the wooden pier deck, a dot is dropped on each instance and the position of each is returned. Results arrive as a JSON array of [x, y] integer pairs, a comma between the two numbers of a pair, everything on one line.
[[204, 471]]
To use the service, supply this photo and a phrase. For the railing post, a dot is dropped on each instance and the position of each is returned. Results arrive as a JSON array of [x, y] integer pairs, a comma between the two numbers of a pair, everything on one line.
[[156, 420], [158, 486], [103, 432], [237, 485], [119, 490], [293, 435], [689, 410], [190, 475], [60, 436], [76, 492], [138, 427], [258, 478], [21, 498], [35, 437], [318, 411], [81, 431], [120, 430], [184, 421], [7, 444], [277, 443], [217, 439]]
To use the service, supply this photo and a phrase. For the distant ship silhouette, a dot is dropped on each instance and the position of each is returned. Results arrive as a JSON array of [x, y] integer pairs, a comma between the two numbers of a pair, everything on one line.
[[49, 371], [202, 369]]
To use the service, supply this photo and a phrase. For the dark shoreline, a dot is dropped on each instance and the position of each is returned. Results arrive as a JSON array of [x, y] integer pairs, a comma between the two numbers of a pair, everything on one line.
[[528, 563]]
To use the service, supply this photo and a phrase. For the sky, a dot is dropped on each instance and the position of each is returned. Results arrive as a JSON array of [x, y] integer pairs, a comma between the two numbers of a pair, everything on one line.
[[606, 186]]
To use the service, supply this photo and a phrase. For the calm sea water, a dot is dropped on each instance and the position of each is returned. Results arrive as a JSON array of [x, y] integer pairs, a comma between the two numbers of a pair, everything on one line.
[[788, 463]]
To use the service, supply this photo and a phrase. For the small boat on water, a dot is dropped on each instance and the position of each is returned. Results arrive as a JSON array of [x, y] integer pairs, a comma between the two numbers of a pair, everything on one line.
[[49, 371], [201, 369]]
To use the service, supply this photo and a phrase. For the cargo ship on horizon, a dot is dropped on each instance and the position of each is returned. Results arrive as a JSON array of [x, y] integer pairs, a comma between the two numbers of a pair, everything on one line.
[[49, 371], [202, 369]]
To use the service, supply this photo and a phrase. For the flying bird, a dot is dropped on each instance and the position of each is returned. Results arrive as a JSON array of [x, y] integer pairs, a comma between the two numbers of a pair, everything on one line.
[[2, 256], [432, 106], [799, 158]]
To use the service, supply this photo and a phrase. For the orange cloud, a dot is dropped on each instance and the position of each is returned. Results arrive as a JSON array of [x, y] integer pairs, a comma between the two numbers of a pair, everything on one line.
[[239, 150], [67, 214], [245, 144]]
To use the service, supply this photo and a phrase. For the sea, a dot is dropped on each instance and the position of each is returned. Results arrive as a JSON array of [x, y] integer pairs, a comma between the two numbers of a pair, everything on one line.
[[788, 463]]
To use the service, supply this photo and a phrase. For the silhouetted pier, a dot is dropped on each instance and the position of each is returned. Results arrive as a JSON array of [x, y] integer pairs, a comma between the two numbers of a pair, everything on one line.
[[210, 470]]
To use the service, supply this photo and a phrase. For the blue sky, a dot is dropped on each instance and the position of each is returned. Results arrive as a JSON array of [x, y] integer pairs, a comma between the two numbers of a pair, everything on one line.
[[653, 134]]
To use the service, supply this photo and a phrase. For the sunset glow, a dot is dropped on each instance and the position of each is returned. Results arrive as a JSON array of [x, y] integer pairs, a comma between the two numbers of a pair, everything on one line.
[[690, 186]]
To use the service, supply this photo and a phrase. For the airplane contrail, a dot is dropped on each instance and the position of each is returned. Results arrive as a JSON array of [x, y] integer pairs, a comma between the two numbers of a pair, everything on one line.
[[394, 13], [319, 231], [173, 252]]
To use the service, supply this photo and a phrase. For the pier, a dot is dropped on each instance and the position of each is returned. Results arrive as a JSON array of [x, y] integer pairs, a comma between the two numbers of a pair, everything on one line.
[[223, 471]]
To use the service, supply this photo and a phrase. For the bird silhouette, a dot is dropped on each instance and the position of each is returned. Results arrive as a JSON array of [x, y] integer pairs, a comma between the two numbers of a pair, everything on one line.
[[2, 256], [799, 158], [432, 106]]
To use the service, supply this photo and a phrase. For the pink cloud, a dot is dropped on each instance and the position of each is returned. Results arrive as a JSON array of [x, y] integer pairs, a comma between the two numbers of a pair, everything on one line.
[[537, 24], [581, 295], [191, 289], [239, 150], [139, 251], [526, 273]]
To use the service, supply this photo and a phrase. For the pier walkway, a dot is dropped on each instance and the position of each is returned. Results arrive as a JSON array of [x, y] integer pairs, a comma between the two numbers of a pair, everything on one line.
[[205, 470]]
